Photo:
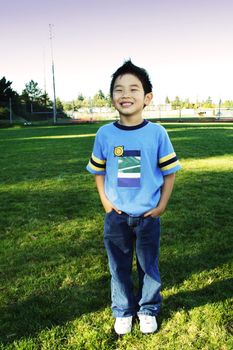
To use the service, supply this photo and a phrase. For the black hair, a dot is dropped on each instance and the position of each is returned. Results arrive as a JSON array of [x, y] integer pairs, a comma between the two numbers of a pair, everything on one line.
[[129, 68]]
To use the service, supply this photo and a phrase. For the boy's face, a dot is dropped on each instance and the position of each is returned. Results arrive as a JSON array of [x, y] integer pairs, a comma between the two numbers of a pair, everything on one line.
[[128, 95]]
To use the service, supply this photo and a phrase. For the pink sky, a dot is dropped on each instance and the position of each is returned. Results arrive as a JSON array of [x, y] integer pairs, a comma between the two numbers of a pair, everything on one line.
[[186, 46]]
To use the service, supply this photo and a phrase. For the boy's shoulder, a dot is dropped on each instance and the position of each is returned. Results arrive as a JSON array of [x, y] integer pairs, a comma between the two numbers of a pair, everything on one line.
[[105, 128], [157, 128]]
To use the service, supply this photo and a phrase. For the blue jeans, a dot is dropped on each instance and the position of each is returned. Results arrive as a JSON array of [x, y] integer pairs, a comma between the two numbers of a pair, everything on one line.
[[121, 234]]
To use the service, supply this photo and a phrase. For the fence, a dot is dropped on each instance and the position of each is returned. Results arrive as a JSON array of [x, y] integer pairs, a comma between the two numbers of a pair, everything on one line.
[[158, 113]]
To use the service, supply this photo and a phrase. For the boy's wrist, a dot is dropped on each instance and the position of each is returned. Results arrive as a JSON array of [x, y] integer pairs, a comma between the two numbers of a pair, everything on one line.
[[159, 210], [161, 207]]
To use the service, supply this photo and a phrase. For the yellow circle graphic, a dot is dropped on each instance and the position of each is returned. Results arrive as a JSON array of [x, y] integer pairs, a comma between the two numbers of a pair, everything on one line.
[[118, 151]]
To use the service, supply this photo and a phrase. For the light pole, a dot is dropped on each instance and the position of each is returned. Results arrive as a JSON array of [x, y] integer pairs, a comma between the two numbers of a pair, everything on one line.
[[54, 90]]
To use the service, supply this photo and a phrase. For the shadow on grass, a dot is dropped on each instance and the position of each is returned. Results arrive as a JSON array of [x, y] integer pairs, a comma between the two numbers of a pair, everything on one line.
[[184, 262], [52, 280], [187, 300], [36, 160], [38, 208], [41, 253], [201, 141], [51, 308]]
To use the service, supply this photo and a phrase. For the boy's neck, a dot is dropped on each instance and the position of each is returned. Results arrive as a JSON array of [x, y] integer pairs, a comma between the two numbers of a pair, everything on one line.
[[131, 120]]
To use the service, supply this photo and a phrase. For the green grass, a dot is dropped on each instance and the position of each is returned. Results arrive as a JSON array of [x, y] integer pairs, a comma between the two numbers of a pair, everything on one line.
[[54, 291]]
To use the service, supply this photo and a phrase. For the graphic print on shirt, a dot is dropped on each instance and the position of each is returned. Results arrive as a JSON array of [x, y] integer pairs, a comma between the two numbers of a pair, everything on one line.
[[129, 167]]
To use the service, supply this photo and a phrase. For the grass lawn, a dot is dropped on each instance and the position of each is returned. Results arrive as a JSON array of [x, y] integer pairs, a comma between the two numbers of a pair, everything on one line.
[[54, 291]]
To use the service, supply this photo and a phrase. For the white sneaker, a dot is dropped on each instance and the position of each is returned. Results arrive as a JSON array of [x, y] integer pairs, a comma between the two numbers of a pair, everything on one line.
[[123, 325], [148, 324]]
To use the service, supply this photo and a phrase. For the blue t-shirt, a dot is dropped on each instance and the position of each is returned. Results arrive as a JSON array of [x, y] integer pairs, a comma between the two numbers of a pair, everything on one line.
[[134, 161]]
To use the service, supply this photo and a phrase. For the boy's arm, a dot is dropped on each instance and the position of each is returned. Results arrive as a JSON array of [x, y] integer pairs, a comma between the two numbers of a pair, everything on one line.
[[165, 195], [108, 206]]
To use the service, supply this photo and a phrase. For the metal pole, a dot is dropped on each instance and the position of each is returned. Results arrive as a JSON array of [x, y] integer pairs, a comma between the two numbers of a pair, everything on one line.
[[54, 90], [45, 92], [219, 109], [10, 108]]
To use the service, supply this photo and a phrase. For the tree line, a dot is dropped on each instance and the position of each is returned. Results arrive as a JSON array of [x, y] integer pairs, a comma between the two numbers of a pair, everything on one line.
[[34, 100], [101, 100], [178, 103]]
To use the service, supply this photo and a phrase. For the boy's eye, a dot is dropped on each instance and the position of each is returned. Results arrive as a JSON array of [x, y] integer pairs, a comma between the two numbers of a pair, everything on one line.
[[134, 90]]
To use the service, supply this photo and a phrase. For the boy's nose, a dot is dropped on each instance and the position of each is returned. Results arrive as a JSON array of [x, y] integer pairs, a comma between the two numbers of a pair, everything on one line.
[[125, 93]]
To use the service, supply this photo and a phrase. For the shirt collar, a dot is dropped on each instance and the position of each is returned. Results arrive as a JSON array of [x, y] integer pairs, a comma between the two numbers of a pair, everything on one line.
[[129, 128]]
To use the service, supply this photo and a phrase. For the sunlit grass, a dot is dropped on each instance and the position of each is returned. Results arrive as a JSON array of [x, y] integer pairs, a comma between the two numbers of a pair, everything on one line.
[[220, 163], [53, 137], [54, 271]]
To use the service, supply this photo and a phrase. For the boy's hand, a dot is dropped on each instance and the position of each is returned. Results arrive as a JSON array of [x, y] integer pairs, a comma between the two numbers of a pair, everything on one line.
[[165, 195], [155, 212], [113, 208], [109, 207], [99, 179]]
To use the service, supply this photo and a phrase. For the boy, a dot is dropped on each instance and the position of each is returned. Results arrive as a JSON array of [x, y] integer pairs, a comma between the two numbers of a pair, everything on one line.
[[134, 165]]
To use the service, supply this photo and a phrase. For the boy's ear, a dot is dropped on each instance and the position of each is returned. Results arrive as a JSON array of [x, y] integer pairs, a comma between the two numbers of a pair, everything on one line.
[[148, 98]]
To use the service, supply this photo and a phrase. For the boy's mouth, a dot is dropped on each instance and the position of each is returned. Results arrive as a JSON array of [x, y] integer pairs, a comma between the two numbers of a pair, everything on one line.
[[126, 104]]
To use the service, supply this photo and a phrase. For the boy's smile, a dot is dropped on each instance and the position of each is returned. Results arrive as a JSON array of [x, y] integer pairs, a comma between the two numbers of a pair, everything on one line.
[[126, 104], [129, 97]]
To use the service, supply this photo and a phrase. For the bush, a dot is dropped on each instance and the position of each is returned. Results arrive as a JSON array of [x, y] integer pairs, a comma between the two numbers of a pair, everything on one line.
[[4, 113]]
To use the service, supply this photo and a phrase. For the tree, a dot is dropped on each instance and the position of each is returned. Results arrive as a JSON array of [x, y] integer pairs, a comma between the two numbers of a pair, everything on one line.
[[177, 104], [101, 95], [108, 101], [227, 104], [208, 103], [79, 102], [31, 93], [59, 105], [9, 99], [167, 101], [45, 101], [187, 104], [68, 106], [99, 100], [81, 97], [6, 91]]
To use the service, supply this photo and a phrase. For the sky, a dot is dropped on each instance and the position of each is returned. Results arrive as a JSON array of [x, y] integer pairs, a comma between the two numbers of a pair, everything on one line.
[[186, 46]]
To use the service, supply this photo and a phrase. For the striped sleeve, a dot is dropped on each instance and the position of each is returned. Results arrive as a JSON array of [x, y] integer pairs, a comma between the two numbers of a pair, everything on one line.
[[97, 162], [96, 165], [167, 158]]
